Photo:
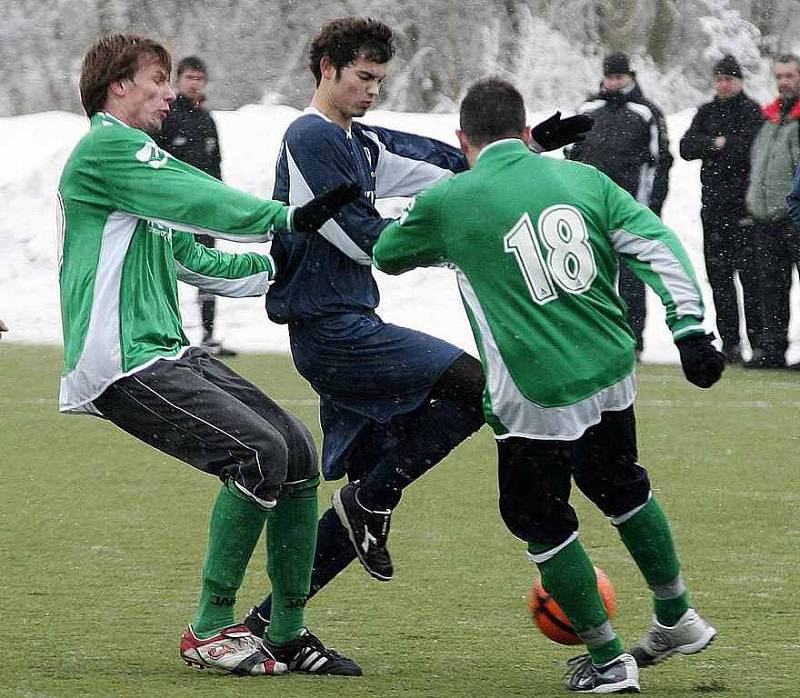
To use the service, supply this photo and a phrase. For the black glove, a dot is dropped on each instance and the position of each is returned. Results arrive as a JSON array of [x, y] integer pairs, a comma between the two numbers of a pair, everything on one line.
[[309, 217], [555, 132], [702, 364]]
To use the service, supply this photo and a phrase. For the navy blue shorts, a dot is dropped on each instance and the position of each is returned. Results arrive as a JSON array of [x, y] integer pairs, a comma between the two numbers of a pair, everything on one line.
[[366, 372]]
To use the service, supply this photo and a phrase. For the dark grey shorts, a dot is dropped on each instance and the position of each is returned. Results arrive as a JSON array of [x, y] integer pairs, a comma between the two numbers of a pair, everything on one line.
[[200, 411]]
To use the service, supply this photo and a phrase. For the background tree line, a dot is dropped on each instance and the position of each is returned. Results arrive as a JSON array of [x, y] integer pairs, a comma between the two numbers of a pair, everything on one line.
[[551, 49]]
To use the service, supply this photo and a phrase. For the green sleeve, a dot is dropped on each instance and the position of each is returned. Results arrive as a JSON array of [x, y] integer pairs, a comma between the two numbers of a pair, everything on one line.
[[415, 239], [656, 255], [223, 273], [149, 183]]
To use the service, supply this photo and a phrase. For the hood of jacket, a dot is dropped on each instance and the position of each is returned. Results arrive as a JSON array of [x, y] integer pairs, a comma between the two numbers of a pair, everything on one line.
[[621, 97], [772, 112]]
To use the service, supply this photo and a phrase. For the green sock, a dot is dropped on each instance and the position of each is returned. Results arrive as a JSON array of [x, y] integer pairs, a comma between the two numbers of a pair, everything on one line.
[[291, 544], [569, 577], [647, 537], [235, 526]]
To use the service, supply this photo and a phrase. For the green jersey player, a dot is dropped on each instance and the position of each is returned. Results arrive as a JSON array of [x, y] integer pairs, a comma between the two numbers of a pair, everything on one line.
[[128, 214], [536, 243]]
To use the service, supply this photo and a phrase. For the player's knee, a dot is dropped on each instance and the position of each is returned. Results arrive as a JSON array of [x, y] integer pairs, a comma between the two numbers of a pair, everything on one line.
[[262, 467], [463, 384], [273, 456], [548, 522], [305, 489], [615, 496], [303, 461]]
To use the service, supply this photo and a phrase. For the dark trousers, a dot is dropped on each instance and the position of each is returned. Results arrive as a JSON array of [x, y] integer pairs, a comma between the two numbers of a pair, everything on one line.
[[208, 301], [413, 443], [778, 246], [729, 250], [198, 410], [633, 292], [535, 478]]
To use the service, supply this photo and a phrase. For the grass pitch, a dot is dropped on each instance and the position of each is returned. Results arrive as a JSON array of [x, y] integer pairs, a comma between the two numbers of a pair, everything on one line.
[[101, 540]]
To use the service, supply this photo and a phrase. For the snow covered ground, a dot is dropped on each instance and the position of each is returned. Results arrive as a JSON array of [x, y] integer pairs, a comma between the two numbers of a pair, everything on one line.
[[36, 146]]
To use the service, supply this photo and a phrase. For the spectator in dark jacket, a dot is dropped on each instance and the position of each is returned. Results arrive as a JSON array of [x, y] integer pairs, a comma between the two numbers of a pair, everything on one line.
[[774, 159], [721, 134], [629, 143], [190, 134]]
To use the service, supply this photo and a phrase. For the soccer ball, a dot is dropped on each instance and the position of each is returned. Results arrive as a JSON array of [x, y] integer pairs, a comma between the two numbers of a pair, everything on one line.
[[551, 619]]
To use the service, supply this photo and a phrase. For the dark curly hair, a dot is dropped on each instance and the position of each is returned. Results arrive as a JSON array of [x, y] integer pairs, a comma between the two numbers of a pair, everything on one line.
[[346, 39]]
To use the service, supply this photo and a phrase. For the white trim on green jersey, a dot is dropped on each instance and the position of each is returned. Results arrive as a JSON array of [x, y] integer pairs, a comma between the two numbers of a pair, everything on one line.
[[126, 213], [254, 285], [521, 417], [100, 362], [663, 262], [539, 241], [197, 230]]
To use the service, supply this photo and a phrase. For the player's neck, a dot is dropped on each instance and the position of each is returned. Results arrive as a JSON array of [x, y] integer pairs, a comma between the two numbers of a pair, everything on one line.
[[329, 111]]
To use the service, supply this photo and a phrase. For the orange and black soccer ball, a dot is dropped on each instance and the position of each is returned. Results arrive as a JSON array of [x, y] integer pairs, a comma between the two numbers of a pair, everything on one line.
[[551, 619]]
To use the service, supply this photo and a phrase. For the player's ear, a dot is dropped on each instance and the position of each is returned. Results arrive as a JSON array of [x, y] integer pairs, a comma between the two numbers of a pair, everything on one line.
[[527, 138], [463, 142], [117, 88], [326, 68]]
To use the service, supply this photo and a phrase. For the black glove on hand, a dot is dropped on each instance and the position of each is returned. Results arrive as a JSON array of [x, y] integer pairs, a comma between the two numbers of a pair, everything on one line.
[[309, 217], [555, 132], [702, 364]]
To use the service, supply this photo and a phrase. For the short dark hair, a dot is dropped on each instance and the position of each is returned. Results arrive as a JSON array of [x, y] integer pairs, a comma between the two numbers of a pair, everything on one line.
[[346, 39], [492, 109], [787, 58], [192, 63], [115, 57]]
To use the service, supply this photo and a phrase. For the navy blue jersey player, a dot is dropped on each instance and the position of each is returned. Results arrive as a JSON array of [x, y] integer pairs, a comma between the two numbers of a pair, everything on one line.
[[393, 401]]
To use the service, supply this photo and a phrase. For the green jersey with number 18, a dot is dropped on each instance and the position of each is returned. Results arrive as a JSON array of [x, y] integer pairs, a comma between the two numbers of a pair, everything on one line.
[[128, 212], [536, 242]]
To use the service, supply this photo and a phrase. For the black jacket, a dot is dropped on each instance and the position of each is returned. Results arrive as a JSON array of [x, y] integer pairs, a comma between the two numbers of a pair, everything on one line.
[[189, 133], [725, 173], [629, 143]]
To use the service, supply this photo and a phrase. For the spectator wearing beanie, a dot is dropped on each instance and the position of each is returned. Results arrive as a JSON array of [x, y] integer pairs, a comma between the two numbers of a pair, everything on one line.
[[629, 143], [721, 135]]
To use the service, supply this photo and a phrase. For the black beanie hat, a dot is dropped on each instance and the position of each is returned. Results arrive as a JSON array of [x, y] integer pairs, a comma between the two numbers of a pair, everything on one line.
[[728, 65], [616, 64]]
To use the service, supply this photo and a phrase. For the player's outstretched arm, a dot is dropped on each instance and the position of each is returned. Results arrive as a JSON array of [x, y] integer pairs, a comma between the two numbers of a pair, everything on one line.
[[555, 132], [3, 328], [309, 217], [235, 275], [702, 364]]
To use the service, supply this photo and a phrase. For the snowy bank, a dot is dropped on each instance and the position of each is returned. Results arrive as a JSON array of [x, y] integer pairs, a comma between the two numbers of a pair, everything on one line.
[[37, 145]]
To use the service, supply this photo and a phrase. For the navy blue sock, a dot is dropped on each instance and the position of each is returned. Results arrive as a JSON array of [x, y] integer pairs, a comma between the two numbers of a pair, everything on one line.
[[334, 553]]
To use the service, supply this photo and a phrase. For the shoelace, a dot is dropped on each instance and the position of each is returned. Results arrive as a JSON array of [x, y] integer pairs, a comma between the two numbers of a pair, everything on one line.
[[660, 640], [246, 642], [314, 643], [578, 666], [385, 518]]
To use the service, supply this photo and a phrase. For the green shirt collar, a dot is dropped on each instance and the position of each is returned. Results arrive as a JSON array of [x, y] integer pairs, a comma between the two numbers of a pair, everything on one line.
[[502, 147], [103, 118]]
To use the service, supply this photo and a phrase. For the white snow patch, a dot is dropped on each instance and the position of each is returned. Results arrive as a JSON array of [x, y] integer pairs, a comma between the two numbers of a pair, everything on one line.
[[37, 145]]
